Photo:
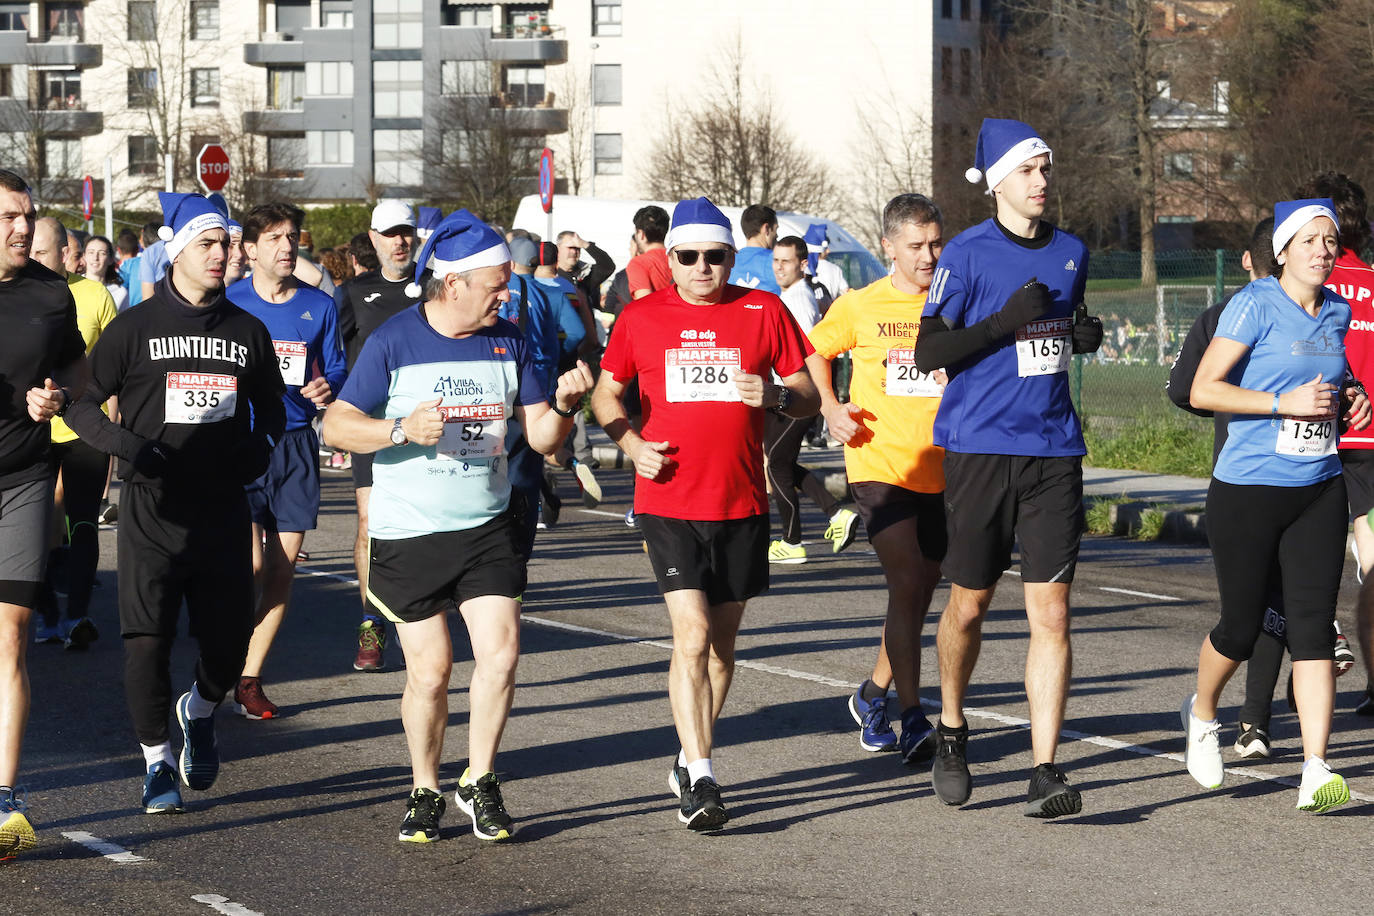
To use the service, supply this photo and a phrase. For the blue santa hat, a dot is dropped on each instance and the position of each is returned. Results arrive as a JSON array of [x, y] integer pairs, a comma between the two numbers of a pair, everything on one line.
[[1292, 215], [426, 221], [698, 220], [816, 238], [1004, 144], [185, 216], [235, 227], [461, 242]]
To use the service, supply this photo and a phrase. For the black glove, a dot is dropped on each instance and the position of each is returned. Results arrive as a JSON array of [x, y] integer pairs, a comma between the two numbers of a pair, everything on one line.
[[1025, 305], [1087, 330], [153, 459], [251, 457]]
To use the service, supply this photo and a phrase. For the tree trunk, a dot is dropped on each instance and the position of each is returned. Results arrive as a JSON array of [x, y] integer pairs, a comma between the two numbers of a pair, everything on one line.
[[1142, 79]]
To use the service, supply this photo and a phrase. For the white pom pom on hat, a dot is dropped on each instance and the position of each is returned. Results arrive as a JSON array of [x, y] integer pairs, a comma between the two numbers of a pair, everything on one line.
[[166, 233], [973, 176], [412, 289]]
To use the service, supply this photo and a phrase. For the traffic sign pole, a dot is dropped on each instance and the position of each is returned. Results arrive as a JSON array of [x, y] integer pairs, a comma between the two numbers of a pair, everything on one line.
[[109, 199], [546, 185]]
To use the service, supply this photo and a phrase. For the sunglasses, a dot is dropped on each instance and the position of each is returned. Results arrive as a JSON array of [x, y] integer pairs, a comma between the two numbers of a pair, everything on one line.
[[688, 256]]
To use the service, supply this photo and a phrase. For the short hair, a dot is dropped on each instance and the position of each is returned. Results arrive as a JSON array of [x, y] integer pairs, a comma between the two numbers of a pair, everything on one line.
[[523, 234], [336, 263], [361, 250], [1351, 207], [755, 217], [1261, 248], [127, 241], [63, 233], [548, 254], [797, 243], [149, 233], [434, 283], [909, 208], [653, 222], [11, 181], [565, 234], [264, 216]]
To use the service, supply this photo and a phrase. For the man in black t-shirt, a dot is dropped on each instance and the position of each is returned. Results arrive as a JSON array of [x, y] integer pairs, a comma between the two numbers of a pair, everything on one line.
[[43, 366], [200, 398]]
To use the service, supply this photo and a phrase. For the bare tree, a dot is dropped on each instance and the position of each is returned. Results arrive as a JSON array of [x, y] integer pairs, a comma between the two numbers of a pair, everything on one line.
[[574, 95], [890, 155]]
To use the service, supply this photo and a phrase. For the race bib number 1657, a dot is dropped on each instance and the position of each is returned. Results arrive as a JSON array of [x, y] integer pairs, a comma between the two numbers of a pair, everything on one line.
[[1044, 347]]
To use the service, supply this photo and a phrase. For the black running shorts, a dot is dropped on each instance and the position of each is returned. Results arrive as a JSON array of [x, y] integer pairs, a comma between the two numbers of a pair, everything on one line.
[[412, 579], [994, 501], [25, 509], [1357, 466], [882, 505], [728, 560]]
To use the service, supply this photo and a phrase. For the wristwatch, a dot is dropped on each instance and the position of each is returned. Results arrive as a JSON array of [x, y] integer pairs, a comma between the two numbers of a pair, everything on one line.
[[784, 399], [398, 435]]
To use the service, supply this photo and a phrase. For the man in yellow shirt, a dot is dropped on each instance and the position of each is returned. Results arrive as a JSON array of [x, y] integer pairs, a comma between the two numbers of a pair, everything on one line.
[[895, 469]]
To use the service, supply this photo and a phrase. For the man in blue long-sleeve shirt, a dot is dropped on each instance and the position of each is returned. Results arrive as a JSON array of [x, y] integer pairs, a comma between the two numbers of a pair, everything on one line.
[[285, 501]]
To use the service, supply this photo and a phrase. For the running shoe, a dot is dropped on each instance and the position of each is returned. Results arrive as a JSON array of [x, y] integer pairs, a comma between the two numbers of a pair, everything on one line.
[[786, 554], [630, 519], [549, 510], [918, 737], [700, 807], [47, 634], [1321, 790], [1050, 794], [1201, 747], [423, 810], [1366, 707], [843, 526], [1252, 743], [481, 800], [677, 780], [252, 702], [109, 512], [161, 794], [591, 490], [875, 734], [371, 645], [16, 832], [1344, 656], [949, 775], [77, 635], [199, 752]]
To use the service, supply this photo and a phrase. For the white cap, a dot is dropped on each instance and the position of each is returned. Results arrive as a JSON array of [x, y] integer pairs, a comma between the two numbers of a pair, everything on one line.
[[388, 214]]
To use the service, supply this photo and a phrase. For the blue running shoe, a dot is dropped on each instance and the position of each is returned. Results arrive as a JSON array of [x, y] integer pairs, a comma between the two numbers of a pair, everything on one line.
[[160, 792], [199, 753], [918, 737], [875, 733]]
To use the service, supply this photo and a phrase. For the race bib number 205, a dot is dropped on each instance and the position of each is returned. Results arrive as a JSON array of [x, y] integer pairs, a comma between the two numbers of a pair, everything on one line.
[[1044, 347], [199, 397], [706, 374]]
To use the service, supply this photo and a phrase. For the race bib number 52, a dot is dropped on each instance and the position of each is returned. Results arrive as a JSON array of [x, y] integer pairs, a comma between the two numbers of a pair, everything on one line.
[[199, 397], [706, 374], [473, 431], [1044, 347]]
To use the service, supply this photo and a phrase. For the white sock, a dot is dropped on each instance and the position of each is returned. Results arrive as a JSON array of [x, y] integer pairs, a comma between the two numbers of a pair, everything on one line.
[[699, 768], [198, 707], [154, 754], [1315, 760], [682, 758]]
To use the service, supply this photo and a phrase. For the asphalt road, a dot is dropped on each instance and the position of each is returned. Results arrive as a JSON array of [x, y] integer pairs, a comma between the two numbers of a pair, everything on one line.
[[303, 818]]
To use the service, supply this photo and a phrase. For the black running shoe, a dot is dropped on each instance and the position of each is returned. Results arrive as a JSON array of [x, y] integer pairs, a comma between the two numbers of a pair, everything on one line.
[[678, 780], [423, 810], [700, 808], [1366, 707], [949, 775], [482, 801], [1050, 794], [199, 764]]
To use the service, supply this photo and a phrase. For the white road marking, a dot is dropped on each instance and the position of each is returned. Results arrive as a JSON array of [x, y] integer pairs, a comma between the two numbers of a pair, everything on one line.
[[107, 849], [1127, 591], [600, 512], [221, 904]]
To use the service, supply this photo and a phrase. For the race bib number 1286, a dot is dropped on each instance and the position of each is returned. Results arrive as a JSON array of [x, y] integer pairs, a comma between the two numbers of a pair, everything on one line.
[[706, 374]]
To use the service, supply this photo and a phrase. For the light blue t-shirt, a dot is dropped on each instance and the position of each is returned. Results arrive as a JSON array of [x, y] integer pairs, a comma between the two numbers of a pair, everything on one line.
[[754, 269], [153, 263], [541, 323], [462, 482], [564, 298], [1288, 347]]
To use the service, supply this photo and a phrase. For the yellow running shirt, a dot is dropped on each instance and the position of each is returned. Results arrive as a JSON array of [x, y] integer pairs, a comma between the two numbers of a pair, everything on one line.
[[878, 324], [95, 309]]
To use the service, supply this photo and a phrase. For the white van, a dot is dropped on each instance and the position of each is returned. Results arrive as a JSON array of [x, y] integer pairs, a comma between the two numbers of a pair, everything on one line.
[[610, 224]]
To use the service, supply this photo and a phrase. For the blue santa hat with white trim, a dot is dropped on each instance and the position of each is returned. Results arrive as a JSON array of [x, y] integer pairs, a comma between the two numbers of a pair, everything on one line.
[[698, 220], [1003, 144], [185, 216], [461, 242], [1292, 215], [816, 238], [426, 221]]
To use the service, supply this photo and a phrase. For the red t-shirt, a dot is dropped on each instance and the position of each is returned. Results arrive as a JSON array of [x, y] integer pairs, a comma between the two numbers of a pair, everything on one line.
[[1353, 279], [683, 355], [649, 271]]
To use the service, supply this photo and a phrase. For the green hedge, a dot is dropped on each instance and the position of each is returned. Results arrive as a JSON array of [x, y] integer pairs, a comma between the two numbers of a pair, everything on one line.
[[333, 226]]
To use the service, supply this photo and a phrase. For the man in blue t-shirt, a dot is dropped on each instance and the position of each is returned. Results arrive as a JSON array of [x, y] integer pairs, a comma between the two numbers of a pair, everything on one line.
[[285, 501], [754, 262], [436, 392], [1003, 317]]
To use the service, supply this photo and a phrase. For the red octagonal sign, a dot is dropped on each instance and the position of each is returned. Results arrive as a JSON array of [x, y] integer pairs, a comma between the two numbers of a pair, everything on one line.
[[212, 167]]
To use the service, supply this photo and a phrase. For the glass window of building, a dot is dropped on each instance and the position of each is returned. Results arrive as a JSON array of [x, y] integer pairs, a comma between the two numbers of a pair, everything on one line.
[[286, 156], [336, 14], [285, 88], [398, 89], [65, 20], [61, 89], [205, 87], [606, 84], [329, 147], [605, 17], [142, 87], [143, 156], [293, 16], [329, 77], [397, 23], [524, 86], [465, 77], [61, 157], [396, 157], [464, 15], [205, 20], [142, 17], [14, 17], [606, 148]]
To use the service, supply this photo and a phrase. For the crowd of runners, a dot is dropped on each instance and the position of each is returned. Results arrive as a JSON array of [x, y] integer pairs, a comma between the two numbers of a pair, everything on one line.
[[451, 371]]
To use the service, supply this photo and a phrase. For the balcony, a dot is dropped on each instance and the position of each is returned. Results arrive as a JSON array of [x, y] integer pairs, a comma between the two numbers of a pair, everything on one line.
[[53, 51], [276, 48], [274, 122], [71, 122], [508, 44], [476, 112]]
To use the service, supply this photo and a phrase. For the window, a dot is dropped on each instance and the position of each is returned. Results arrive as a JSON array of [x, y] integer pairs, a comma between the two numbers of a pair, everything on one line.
[[465, 77], [142, 87], [286, 156], [61, 157], [1233, 166], [397, 23], [947, 69], [61, 89], [606, 84], [398, 88], [14, 17], [329, 147], [205, 20], [946, 9], [7, 81], [526, 21], [1178, 165], [467, 15], [205, 87], [965, 10], [285, 88], [292, 16], [329, 77], [606, 148], [965, 71], [396, 157], [458, 146], [142, 20], [143, 156], [1221, 97], [524, 86], [64, 20], [605, 17], [336, 14]]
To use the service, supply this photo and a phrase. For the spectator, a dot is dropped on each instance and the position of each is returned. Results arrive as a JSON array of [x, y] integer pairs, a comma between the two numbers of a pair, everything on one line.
[[648, 270], [754, 262]]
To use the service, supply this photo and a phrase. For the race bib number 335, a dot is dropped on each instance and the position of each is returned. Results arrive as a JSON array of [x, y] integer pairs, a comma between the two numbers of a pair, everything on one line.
[[199, 397], [1044, 347], [706, 374]]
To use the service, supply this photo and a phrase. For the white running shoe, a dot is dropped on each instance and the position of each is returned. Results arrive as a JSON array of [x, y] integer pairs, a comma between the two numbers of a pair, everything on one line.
[[1321, 789], [1202, 747]]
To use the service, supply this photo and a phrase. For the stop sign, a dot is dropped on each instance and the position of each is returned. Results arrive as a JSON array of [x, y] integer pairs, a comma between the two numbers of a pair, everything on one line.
[[212, 167]]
